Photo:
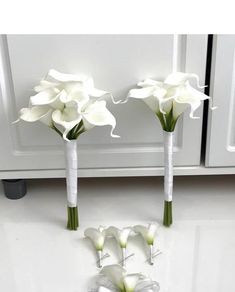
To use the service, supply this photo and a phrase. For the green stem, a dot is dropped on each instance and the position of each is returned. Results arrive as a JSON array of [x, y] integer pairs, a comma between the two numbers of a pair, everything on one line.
[[167, 217], [76, 131], [168, 122], [73, 222], [161, 119], [57, 131], [173, 124]]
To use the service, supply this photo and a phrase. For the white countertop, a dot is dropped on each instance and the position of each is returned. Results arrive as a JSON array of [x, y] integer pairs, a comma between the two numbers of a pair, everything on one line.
[[37, 253]]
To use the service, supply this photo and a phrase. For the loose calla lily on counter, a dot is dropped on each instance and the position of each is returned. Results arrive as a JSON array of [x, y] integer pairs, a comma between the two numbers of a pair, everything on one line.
[[114, 278], [70, 105], [148, 233], [121, 236], [169, 100], [97, 236]]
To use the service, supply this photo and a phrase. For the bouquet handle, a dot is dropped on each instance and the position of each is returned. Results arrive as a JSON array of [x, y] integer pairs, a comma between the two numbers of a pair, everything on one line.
[[168, 177], [71, 183]]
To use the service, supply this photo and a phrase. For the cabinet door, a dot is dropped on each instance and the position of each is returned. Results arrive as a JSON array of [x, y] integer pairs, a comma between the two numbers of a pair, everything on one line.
[[117, 63], [221, 126]]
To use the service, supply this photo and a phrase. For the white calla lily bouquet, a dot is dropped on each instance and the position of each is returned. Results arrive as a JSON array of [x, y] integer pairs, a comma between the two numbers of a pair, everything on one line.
[[70, 105], [169, 100]]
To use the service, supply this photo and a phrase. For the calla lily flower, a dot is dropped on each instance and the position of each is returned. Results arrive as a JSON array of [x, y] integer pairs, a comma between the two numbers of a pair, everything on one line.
[[121, 236], [148, 234], [117, 280], [91, 114], [169, 99], [180, 78], [97, 236], [69, 104], [37, 113], [96, 114]]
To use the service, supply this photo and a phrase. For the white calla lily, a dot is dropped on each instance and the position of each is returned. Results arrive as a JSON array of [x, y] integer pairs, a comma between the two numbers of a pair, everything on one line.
[[36, 113], [131, 280], [115, 274], [169, 99], [97, 236], [147, 285], [158, 97], [44, 97], [97, 114], [75, 96], [180, 78], [64, 77], [148, 234], [68, 118], [44, 85], [121, 236], [124, 282], [187, 97], [47, 119]]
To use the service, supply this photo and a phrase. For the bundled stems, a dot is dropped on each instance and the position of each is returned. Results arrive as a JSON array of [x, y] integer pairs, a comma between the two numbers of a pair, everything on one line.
[[71, 183], [168, 177], [72, 223], [167, 217]]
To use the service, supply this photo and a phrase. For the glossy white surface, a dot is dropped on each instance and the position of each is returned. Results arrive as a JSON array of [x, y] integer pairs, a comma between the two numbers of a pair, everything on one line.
[[37, 254]]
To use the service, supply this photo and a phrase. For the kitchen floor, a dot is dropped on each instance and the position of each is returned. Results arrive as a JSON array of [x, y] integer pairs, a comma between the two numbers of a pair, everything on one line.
[[37, 253]]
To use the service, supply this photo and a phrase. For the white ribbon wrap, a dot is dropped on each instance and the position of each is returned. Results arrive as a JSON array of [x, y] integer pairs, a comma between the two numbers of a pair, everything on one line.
[[124, 257], [71, 172], [100, 254], [168, 165], [151, 254]]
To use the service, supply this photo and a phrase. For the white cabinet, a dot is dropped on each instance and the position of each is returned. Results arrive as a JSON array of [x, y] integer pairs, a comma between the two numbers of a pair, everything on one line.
[[221, 127], [117, 63]]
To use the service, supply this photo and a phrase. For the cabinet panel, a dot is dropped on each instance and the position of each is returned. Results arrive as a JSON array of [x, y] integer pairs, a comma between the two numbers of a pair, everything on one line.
[[221, 127], [117, 63]]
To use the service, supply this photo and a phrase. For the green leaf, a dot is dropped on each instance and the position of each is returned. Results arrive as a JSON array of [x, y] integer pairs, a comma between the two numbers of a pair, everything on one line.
[[162, 120], [76, 131], [57, 131]]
